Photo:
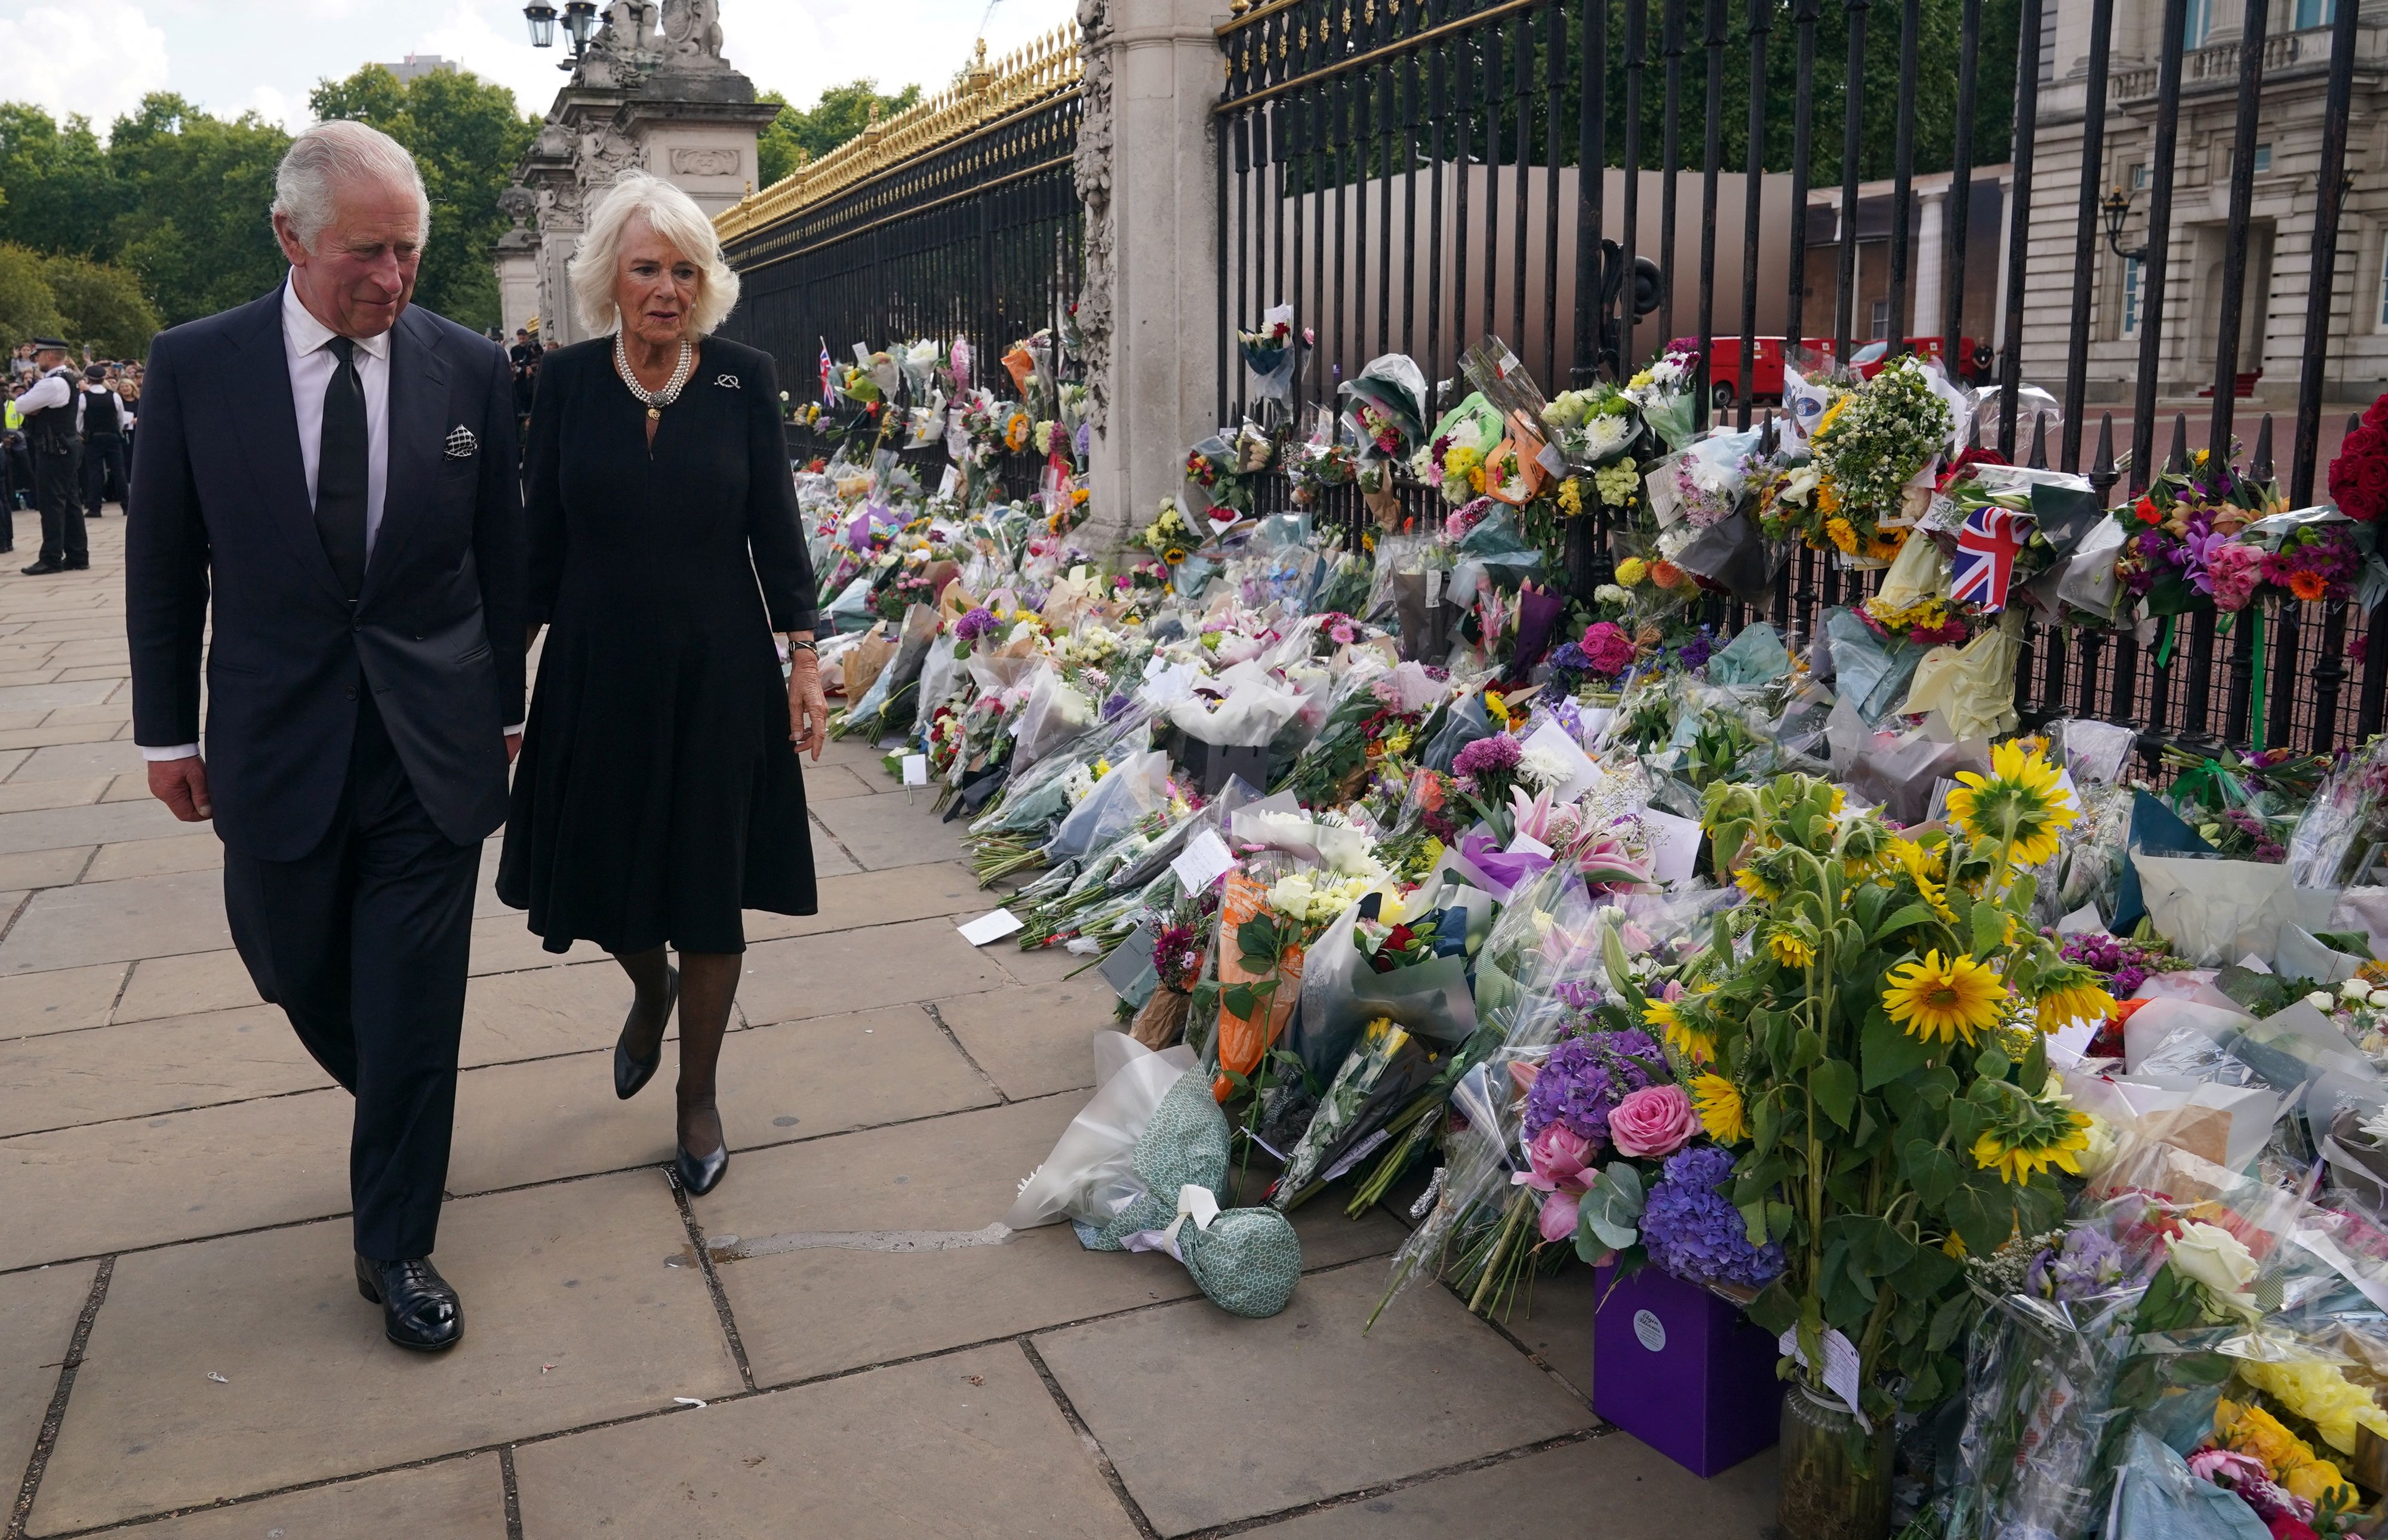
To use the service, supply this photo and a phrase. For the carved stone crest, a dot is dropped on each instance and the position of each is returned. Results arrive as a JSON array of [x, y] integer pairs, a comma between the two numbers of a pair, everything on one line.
[[687, 160]]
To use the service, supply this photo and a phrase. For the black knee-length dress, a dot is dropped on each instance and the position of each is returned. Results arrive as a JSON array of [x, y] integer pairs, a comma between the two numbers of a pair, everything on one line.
[[658, 792]]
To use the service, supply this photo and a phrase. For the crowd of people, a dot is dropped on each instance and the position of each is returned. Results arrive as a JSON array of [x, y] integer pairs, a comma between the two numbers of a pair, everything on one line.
[[65, 446]]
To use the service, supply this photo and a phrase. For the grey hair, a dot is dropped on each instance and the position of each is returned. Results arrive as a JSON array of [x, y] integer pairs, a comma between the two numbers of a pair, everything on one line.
[[331, 155], [670, 213]]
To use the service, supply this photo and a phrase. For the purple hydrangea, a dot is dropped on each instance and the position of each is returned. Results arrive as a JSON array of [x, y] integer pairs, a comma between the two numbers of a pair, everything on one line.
[[975, 624], [1116, 704], [1495, 753], [1694, 652], [1584, 1078], [1569, 658], [1692, 1231]]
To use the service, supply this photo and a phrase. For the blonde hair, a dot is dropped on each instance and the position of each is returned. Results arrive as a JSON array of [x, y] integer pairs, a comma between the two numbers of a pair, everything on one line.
[[670, 213]]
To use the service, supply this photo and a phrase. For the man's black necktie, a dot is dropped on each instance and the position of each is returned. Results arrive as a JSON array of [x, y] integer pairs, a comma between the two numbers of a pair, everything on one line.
[[340, 470]]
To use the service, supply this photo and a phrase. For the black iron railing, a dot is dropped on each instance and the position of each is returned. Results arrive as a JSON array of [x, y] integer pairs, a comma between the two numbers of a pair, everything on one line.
[[1408, 174]]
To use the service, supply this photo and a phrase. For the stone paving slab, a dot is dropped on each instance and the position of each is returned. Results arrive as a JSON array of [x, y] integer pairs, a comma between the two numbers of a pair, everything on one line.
[[1302, 1406], [852, 970], [1608, 1488], [183, 986], [183, 853], [53, 868], [38, 1311], [829, 783], [104, 922], [887, 831], [969, 1445], [36, 796], [116, 1186], [571, 1316], [455, 1499], [62, 1079], [60, 762], [98, 825], [533, 1122], [63, 1000], [1033, 1041], [862, 900]]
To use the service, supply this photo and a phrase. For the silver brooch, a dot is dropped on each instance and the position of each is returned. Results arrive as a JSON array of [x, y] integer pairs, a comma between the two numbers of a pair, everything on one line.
[[462, 444], [727, 382]]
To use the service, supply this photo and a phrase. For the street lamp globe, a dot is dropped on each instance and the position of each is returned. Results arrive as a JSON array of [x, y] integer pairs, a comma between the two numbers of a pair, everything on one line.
[[541, 16], [580, 19]]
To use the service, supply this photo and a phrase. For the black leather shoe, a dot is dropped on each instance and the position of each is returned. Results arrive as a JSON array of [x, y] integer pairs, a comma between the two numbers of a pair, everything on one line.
[[631, 1075], [418, 1308], [84, 565], [699, 1177], [42, 569]]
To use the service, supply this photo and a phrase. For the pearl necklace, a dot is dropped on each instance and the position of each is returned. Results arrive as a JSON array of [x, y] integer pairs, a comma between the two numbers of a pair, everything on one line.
[[655, 399]]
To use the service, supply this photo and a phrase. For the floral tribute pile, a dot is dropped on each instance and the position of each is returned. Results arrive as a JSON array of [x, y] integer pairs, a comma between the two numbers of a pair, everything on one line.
[[2027, 1088]]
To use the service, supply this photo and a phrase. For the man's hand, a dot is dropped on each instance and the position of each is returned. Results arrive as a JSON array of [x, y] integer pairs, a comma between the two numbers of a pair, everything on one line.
[[808, 707], [181, 784], [514, 746]]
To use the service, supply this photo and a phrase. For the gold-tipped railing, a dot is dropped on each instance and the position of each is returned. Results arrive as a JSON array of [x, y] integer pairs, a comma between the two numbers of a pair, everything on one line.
[[1043, 68]]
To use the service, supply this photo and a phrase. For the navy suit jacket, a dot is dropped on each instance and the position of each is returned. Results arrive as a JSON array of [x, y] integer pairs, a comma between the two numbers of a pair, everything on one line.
[[219, 501]]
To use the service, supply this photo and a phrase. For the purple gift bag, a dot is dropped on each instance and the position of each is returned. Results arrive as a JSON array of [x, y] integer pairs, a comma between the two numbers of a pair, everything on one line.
[[1682, 1371]]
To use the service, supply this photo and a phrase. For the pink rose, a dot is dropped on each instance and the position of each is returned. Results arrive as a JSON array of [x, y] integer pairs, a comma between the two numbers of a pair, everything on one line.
[[1655, 1120], [1561, 1162]]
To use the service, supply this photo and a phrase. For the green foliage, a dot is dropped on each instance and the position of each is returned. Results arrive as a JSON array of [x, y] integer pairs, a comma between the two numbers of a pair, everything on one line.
[[27, 306], [195, 190], [465, 137], [800, 135], [101, 304]]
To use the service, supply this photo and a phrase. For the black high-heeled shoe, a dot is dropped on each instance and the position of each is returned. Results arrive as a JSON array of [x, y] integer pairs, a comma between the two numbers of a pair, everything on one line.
[[698, 1177], [631, 1075]]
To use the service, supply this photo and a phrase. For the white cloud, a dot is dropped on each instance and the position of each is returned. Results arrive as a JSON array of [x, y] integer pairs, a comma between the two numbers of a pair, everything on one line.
[[467, 37], [798, 50], [279, 106], [97, 57]]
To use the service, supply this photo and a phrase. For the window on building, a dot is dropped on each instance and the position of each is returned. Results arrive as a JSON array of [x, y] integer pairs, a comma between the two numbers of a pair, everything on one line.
[[2201, 15], [2135, 176], [1881, 319], [2131, 279], [2314, 13], [2262, 158]]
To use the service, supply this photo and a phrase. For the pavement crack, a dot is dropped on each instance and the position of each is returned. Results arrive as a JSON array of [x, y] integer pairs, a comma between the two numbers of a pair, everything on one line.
[[968, 1057], [514, 1492], [47, 1440], [712, 1280], [1094, 1446]]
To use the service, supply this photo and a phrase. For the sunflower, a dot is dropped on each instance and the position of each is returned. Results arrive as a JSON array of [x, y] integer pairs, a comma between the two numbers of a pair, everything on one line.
[[2071, 993], [1173, 555], [1688, 1038], [1944, 1001], [2017, 1155], [1789, 947], [1842, 534], [1750, 880], [1718, 1105], [1921, 870], [2020, 801], [1884, 544]]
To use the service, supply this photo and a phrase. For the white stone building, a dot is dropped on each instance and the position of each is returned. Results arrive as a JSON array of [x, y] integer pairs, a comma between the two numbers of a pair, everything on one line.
[[2279, 237]]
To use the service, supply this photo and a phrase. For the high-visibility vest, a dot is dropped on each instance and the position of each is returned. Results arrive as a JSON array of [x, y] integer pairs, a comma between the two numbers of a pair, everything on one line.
[[11, 418]]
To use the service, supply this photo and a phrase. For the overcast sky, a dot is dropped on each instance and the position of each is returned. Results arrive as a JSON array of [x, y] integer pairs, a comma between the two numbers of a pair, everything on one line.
[[100, 57]]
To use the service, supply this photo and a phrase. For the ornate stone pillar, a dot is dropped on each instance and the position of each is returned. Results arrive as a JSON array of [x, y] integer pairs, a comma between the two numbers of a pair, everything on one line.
[[1149, 305], [658, 96]]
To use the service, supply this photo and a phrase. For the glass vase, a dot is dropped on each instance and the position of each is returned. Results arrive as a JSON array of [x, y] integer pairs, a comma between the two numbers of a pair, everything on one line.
[[1835, 1478]]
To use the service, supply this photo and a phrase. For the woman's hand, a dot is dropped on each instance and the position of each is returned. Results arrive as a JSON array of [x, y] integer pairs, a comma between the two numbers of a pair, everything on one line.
[[808, 707]]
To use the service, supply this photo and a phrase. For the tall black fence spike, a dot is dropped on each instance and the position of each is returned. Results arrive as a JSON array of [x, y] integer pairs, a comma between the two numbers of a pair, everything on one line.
[[2259, 466], [2038, 460], [2179, 459]]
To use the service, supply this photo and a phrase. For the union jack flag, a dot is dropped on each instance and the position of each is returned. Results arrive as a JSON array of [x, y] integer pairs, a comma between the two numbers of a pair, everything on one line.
[[829, 396], [1987, 549]]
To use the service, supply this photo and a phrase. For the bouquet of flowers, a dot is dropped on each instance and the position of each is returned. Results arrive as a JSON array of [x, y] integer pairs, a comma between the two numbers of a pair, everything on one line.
[[1453, 460], [1593, 427], [2358, 477], [1662, 393], [1869, 446], [1274, 354], [1212, 471]]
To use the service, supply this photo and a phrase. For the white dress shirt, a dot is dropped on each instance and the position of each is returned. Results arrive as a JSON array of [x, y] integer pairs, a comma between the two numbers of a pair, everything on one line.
[[313, 365], [52, 391]]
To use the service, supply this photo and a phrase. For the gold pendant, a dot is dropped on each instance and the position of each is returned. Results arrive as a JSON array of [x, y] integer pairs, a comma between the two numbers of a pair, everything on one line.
[[654, 414]]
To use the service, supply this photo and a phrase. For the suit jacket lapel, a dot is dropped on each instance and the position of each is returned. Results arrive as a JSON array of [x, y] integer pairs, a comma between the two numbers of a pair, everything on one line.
[[267, 424], [418, 402]]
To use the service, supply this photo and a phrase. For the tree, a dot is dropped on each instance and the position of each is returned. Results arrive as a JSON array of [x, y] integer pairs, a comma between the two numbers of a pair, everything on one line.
[[798, 136], [195, 191], [101, 307], [465, 137], [62, 194], [28, 310]]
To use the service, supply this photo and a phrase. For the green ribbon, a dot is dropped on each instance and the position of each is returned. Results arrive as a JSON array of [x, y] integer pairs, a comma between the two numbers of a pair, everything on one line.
[[2164, 652], [2256, 732]]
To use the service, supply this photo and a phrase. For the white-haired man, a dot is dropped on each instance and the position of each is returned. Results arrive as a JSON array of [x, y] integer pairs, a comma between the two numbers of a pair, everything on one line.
[[338, 470]]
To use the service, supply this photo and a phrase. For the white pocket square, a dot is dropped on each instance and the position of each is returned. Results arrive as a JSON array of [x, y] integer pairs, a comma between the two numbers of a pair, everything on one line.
[[461, 444]]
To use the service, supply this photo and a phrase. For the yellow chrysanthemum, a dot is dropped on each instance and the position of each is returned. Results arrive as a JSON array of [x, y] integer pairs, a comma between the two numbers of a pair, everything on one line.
[[2320, 1482], [2072, 999], [2323, 1395], [1632, 571], [2017, 1156], [1718, 1105], [1789, 948], [1941, 1001], [1681, 1036], [2249, 1430], [2020, 801]]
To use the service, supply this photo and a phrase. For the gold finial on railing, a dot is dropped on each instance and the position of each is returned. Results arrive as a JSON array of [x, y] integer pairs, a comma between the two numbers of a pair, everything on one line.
[[977, 75], [1237, 8]]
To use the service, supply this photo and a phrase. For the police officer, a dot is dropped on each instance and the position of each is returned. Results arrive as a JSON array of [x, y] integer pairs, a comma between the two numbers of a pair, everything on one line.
[[104, 420], [52, 431]]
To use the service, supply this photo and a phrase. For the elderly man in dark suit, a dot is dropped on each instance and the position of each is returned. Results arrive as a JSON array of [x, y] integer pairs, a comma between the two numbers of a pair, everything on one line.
[[339, 470]]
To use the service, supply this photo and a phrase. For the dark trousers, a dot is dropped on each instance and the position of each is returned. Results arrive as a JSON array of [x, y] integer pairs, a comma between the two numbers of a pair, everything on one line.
[[103, 470], [58, 492], [364, 945]]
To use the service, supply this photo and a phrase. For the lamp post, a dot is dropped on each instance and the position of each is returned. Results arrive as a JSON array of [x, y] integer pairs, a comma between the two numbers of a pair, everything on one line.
[[579, 25], [2118, 207]]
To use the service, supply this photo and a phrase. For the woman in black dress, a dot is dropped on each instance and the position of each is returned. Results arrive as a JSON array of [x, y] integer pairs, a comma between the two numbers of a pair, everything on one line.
[[658, 792]]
